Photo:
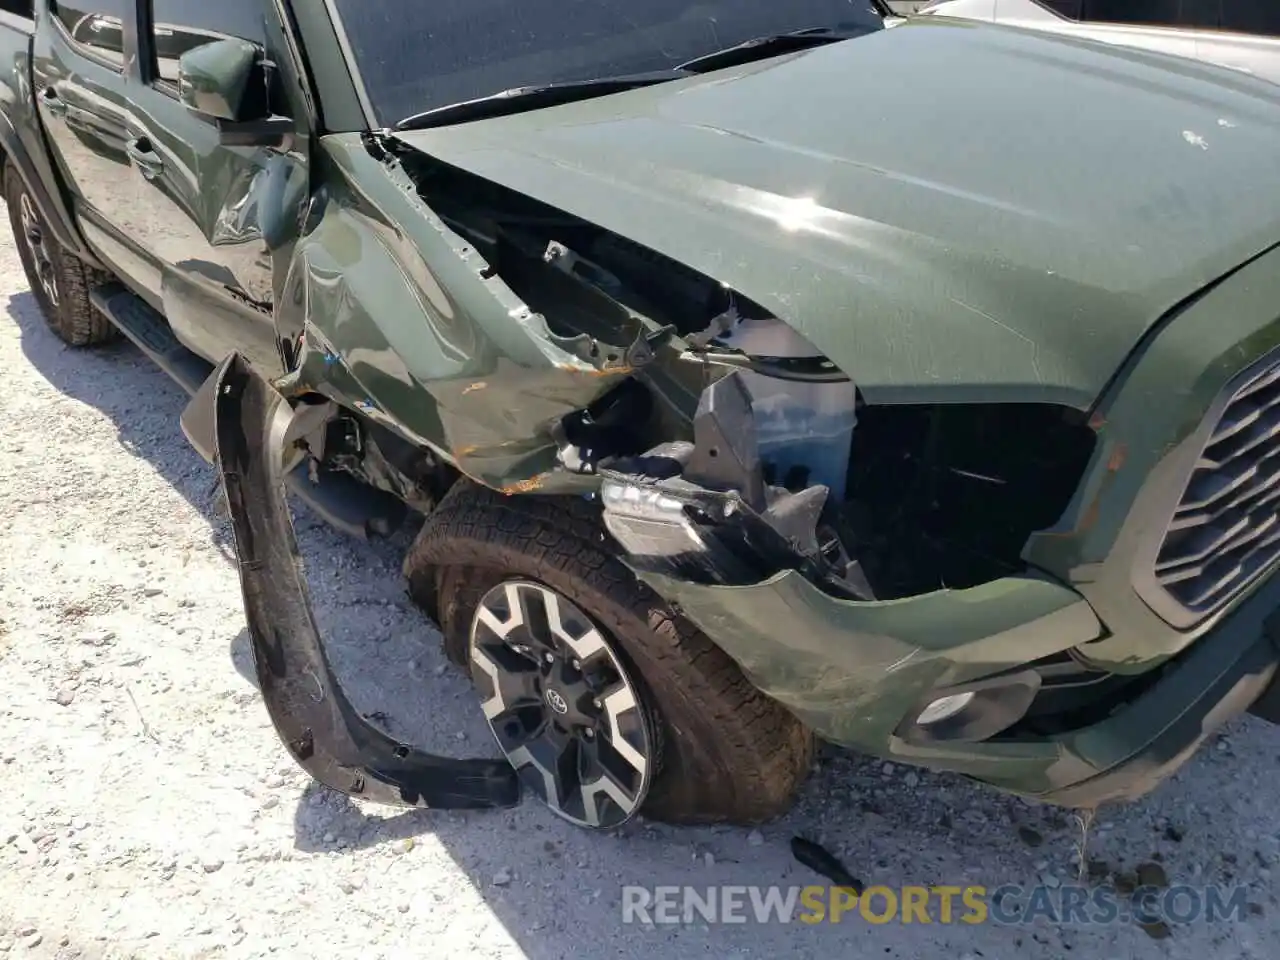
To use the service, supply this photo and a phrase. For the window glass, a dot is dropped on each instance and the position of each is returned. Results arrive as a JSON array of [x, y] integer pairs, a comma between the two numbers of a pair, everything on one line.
[[1252, 16], [1249, 16], [180, 25], [96, 27], [414, 55], [1159, 13], [1071, 9], [23, 8]]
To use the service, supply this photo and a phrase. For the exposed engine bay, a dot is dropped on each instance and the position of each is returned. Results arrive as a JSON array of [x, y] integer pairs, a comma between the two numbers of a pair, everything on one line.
[[748, 453]]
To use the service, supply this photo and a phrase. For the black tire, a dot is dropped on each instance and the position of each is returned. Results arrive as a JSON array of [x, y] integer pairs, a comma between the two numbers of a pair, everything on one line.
[[67, 310], [727, 752]]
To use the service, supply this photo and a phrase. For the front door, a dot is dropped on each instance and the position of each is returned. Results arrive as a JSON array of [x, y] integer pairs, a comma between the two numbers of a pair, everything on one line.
[[81, 89], [212, 210]]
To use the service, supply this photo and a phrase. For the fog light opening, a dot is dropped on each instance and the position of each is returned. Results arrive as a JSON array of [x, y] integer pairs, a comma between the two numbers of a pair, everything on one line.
[[986, 708], [944, 708]]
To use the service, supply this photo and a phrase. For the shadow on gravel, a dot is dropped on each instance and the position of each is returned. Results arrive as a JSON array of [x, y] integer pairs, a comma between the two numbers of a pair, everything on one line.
[[558, 890], [140, 399]]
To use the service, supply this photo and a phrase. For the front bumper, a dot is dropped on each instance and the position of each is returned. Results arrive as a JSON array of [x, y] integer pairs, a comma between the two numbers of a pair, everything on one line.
[[859, 672], [853, 671]]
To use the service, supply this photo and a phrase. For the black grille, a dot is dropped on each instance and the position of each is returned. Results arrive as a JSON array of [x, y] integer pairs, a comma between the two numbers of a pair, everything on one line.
[[1225, 533]]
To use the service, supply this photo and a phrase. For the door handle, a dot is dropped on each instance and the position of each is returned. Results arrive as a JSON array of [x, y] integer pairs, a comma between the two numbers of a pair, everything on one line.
[[143, 156], [56, 106]]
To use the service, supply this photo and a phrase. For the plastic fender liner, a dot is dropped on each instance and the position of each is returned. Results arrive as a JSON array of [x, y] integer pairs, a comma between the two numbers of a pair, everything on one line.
[[311, 713]]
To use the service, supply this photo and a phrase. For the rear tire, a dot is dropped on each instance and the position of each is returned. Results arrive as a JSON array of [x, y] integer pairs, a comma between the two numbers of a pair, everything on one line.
[[59, 281], [724, 751]]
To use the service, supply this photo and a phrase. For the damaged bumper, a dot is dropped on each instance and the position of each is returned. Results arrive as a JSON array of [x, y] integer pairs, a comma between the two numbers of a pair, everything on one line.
[[317, 723], [1061, 685], [985, 681], [861, 674]]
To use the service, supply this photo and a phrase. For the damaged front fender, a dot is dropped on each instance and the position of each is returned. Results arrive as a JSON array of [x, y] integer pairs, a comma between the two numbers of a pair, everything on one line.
[[388, 311], [320, 728]]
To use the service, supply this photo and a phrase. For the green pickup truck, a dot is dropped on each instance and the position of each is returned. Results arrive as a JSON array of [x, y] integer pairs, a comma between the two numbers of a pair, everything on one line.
[[741, 395]]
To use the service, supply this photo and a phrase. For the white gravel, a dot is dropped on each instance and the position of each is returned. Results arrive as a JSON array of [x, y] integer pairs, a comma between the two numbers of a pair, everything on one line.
[[149, 811]]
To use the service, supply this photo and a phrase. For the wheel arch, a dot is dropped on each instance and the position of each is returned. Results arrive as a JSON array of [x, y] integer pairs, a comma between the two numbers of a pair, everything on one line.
[[50, 203]]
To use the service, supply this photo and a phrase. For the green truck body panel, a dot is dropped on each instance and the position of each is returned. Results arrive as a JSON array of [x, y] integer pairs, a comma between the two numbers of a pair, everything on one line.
[[854, 671], [969, 236], [404, 322], [1030, 220], [23, 140]]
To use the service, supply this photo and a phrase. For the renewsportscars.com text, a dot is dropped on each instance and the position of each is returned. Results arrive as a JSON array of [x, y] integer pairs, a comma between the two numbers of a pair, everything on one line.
[[1008, 904]]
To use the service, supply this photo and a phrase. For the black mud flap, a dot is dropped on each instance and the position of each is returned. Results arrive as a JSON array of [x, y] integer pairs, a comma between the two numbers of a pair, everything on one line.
[[312, 715]]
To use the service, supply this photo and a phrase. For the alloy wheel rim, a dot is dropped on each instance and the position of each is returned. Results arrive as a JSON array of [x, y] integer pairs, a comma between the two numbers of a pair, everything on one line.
[[37, 244], [560, 704]]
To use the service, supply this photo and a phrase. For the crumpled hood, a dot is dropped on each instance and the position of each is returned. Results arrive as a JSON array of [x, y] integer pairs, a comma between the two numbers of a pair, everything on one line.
[[948, 210]]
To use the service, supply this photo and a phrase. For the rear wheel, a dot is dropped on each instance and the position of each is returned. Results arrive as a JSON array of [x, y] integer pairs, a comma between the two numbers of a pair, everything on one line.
[[59, 281], [605, 701]]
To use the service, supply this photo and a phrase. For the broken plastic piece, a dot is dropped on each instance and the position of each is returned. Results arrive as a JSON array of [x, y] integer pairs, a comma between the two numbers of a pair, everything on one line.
[[822, 861], [726, 455], [311, 713]]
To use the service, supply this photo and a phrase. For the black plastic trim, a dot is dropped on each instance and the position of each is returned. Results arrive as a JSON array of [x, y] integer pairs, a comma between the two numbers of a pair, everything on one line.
[[53, 213], [340, 107], [320, 728]]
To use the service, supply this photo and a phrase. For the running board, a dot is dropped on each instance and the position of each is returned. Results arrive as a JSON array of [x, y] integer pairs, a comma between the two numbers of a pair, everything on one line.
[[150, 332], [339, 499]]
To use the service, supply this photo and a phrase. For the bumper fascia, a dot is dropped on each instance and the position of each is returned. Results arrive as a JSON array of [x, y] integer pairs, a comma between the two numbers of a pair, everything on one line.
[[852, 671]]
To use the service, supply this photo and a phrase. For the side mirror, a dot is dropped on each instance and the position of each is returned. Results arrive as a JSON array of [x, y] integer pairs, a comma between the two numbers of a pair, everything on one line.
[[226, 81], [214, 78]]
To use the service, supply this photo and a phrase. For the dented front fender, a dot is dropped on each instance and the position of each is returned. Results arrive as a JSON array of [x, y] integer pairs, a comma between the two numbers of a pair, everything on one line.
[[396, 316], [320, 728]]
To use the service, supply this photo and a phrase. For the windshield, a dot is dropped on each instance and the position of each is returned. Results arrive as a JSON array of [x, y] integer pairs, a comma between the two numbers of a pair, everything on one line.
[[415, 56]]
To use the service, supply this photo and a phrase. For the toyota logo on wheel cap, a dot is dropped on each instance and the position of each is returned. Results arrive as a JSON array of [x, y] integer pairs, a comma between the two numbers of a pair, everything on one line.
[[557, 702]]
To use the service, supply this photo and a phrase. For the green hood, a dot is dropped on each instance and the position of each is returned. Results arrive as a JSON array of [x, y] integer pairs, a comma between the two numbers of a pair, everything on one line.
[[948, 211]]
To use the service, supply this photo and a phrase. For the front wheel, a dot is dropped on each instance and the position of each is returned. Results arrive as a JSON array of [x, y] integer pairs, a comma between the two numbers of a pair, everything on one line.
[[605, 702], [59, 282]]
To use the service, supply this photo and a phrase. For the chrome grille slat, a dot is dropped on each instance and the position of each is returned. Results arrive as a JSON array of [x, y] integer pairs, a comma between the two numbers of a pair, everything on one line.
[[1256, 484], [1224, 517], [1174, 570], [1268, 428], [1225, 531], [1261, 382]]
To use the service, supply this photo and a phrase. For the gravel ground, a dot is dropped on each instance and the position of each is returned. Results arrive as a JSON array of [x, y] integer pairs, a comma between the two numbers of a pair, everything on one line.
[[149, 811]]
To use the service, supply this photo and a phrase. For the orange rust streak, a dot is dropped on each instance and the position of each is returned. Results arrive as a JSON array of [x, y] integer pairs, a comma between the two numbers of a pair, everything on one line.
[[525, 486], [1118, 456]]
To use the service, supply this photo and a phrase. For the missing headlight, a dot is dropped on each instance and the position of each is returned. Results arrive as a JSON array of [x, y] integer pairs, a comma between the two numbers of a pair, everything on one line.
[[947, 496]]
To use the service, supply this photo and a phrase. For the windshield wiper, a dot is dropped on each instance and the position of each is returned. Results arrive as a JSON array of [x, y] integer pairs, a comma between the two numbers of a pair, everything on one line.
[[772, 46], [517, 99]]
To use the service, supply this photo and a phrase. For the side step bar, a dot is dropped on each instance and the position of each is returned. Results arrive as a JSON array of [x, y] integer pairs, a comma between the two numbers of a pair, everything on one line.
[[338, 498], [311, 713], [151, 334]]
